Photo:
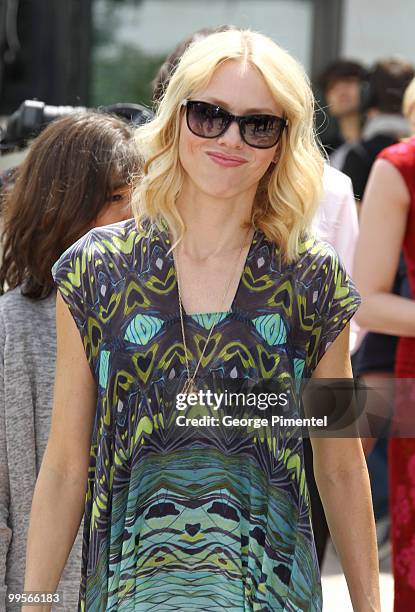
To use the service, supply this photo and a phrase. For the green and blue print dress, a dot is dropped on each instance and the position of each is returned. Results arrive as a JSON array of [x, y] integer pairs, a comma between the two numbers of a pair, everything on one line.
[[179, 520]]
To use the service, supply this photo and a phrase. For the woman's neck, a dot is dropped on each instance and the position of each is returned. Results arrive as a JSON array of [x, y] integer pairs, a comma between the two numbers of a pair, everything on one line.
[[214, 226]]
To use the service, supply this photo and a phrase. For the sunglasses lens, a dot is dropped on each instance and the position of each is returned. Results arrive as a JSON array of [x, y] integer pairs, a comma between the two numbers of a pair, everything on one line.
[[210, 121], [206, 120], [262, 131]]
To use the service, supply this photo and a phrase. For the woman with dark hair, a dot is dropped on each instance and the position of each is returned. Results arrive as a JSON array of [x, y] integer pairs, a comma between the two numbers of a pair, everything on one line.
[[77, 175], [216, 280]]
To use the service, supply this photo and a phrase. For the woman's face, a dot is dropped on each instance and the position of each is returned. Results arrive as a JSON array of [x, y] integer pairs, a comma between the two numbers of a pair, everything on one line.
[[207, 162], [117, 208]]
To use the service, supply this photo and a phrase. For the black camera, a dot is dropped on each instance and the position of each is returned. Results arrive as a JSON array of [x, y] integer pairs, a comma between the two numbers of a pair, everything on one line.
[[32, 116]]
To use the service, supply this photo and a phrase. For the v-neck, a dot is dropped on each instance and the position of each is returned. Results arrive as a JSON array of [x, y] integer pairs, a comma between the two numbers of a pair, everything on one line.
[[166, 241]]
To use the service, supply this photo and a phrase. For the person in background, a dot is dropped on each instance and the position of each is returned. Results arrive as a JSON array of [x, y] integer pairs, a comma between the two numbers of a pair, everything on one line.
[[336, 218], [343, 85], [385, 124], [387, 228], [374, 362], [76, 176]]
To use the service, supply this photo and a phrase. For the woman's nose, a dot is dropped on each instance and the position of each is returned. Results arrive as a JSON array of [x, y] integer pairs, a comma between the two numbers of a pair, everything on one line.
[[232, 136]]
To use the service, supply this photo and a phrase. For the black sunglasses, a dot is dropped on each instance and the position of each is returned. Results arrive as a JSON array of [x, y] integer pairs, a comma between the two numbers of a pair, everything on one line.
[[210, 121]]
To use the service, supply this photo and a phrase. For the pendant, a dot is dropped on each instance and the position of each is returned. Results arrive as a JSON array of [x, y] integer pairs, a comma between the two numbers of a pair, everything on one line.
[[189, 387]]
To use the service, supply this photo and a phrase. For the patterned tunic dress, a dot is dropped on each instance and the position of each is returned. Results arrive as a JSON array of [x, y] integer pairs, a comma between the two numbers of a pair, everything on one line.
[[186, 518]]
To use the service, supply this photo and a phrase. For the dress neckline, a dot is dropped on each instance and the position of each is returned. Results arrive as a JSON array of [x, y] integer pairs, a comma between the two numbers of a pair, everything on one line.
[[163, 234]]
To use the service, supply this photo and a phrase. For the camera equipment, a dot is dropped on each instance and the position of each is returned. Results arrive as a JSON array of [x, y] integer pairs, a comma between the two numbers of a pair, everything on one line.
[[32, 116]]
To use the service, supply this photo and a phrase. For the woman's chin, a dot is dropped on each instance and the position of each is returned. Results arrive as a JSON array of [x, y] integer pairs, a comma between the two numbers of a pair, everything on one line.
[[223, 192]]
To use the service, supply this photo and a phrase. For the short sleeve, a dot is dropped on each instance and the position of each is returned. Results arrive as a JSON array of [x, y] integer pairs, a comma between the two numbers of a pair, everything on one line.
[[337, 300], [74, 279]]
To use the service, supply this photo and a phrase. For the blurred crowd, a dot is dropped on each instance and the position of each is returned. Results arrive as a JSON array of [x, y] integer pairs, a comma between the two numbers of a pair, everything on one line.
[[79, 174], [372, 119]]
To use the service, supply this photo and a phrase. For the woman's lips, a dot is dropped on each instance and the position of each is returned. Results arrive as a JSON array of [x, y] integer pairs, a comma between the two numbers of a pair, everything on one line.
[[229, 161]]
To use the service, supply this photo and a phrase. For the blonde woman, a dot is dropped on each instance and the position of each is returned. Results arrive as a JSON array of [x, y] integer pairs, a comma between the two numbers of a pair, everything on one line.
[[215, 277]]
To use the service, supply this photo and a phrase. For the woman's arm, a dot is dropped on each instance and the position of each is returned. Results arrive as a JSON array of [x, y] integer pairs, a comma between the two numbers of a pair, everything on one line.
[[382, 227], [343, 483], [59, 496]]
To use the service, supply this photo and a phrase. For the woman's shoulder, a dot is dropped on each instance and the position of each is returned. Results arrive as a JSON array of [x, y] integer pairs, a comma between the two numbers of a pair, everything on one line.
[[88, 272], [102, 245], [115, 233], [402, 156], [399, 150], [320, 268], [316, 255], [315, 258]]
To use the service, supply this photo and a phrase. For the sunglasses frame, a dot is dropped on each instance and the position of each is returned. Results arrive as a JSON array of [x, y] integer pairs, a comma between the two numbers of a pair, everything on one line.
[[241, 120]]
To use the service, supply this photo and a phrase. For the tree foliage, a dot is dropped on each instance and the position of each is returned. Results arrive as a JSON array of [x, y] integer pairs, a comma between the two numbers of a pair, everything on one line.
[[125, 78], [124, 74]]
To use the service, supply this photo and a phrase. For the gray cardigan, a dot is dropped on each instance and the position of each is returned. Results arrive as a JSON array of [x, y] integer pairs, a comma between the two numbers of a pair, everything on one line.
[[27, 369]]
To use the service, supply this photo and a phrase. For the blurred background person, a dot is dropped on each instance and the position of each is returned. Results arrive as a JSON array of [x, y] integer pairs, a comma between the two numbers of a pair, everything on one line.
[[388, 221], [384, 124], [336, 218], [374, 362], [77, 175], [343, 84]]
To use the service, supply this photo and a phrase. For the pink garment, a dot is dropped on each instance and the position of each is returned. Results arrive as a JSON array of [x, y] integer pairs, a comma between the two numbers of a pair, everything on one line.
[[336, 222]]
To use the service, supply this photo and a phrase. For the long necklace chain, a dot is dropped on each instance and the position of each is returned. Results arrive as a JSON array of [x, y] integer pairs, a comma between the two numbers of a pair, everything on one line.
[[190, 381]]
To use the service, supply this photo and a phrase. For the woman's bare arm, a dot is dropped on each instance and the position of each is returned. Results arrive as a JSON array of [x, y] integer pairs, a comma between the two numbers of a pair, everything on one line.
[[382, 227], [59, 496], [343, 483]]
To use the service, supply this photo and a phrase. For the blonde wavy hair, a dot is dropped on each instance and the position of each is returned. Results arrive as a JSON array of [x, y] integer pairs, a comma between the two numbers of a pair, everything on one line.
[[289, 192]]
